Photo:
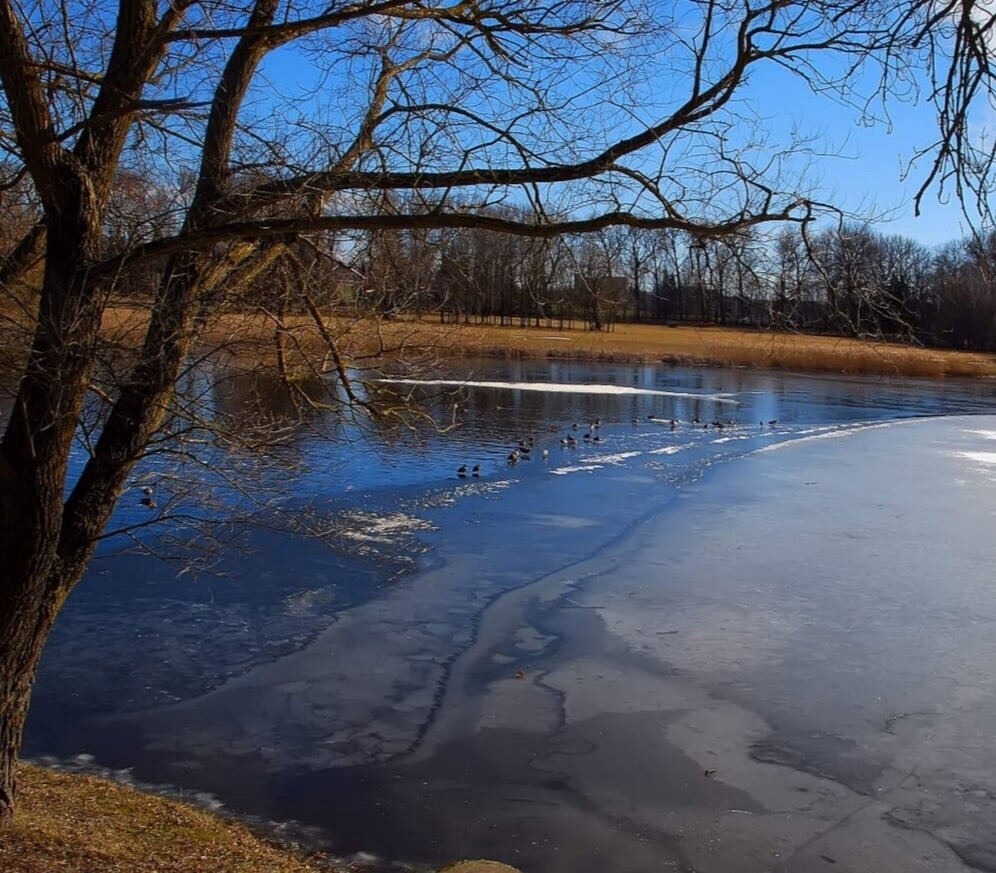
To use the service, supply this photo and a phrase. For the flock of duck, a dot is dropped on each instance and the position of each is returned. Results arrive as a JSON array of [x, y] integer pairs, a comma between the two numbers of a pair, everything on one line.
[[522, 451], [524, 447]]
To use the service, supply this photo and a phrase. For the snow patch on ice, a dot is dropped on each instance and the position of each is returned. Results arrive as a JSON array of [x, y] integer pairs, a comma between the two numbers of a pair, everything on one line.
[[581, 468], [617, 458], [560, 388], [369, 527], [980, 457], [671, 450], [833, 433]]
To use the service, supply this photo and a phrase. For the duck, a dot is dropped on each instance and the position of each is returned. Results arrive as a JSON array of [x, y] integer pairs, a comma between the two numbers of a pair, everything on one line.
[[148, 503], [147, 490], [476, 470], [513, 458], [462, 471], [546, 454], [597, 439]]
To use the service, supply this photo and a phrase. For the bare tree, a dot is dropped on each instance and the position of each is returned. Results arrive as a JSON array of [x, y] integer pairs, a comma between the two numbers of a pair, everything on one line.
[[965, 290], [476, 103], [792, 278]]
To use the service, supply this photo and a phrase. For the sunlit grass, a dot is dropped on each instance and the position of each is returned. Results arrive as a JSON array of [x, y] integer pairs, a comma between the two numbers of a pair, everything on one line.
[[82, 824], [426, 339], [71, 823], [729, 346]]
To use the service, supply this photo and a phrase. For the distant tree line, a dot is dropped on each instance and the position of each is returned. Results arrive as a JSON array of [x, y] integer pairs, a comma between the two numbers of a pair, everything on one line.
[[848, 280]]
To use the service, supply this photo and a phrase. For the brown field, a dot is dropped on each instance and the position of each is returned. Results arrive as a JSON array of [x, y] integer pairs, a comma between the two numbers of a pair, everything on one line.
[[633, 342], [426, 340], [726, 346]]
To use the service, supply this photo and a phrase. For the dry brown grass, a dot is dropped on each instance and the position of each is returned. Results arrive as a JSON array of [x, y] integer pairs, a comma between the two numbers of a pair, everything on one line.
[[253, 335], [80, 824], [727, 346], [70, 823]]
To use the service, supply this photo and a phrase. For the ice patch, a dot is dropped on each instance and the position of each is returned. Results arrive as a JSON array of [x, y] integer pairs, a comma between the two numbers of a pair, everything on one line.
[[612, 459], [563, 521], [581, 468], [980, 457], [382, 528], [560, 388], [670, 450], [988, 434], [486, 488], [833, 433]]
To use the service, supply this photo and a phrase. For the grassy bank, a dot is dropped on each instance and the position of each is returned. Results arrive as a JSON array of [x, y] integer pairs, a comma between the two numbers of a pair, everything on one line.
[[724, 346], [425, 341], [70, 823], [626, 342]]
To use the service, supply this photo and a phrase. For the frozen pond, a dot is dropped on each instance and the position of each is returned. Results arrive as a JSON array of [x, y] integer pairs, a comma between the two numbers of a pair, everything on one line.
[[541, 664]]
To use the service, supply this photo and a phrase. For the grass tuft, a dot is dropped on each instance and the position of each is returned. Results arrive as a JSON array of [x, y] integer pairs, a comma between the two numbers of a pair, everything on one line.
[[69, 823]]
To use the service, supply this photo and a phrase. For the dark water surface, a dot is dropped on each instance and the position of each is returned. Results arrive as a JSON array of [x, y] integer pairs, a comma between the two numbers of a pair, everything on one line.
[[394, 694]]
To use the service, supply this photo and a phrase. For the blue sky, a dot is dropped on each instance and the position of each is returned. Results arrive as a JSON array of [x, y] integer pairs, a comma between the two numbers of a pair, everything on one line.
[[860, 168], [865, 167]]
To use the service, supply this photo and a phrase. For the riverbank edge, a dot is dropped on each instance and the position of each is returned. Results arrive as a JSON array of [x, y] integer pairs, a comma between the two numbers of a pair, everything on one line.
[[716, 346], [424, 342], [79, 823]]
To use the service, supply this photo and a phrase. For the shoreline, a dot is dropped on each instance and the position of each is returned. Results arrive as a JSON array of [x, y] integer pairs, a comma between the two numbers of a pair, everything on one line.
[[715, 346], [79, 819], [424, 343], [681, 345], [75, 818]]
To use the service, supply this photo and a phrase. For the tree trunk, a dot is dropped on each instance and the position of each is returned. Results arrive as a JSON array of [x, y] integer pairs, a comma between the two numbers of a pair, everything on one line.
[[34, 459], [19, 657]]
